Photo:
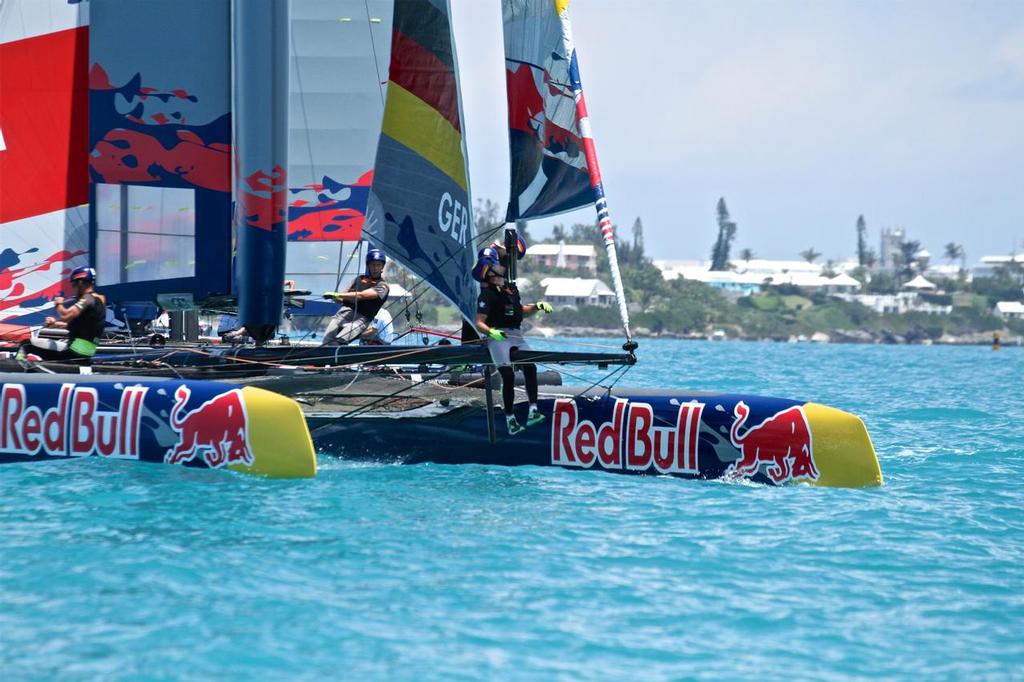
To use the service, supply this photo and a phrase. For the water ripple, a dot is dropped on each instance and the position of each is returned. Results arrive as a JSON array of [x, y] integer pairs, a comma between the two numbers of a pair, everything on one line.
[[119, 571]]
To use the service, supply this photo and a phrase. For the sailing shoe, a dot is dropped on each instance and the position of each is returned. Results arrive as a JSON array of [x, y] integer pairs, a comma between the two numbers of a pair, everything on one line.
[[534, 418], [514, 427]]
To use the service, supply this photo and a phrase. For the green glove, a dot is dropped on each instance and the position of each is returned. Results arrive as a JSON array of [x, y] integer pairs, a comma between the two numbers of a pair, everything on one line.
[[497, 335], [544, 306], [331, 295]]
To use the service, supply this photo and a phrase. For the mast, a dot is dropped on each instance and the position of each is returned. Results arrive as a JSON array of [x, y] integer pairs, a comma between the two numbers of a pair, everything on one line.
[[260, 61], [600, 202]]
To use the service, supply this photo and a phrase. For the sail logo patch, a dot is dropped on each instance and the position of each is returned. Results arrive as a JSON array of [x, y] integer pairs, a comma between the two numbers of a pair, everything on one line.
[[453, 218]]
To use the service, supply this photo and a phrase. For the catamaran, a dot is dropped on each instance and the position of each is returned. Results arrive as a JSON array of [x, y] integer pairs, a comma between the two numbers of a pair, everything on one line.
[[285, 133]]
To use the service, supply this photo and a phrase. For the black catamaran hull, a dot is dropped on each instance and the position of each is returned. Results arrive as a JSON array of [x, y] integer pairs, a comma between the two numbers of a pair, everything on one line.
[[631, 431]]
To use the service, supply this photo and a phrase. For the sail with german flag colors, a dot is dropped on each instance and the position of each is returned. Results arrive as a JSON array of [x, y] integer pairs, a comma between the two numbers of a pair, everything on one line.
[[418, 210]]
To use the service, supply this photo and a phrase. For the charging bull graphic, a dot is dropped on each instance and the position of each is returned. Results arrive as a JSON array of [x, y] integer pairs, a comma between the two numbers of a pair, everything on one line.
[[782, 441], [218, 429]]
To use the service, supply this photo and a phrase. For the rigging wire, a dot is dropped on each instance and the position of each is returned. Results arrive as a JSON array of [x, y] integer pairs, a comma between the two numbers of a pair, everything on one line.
[[373, 47]]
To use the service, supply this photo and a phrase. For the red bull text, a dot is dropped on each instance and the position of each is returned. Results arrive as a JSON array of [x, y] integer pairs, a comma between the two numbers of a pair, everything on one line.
[[74, 427], [631, 440], [782, 441], [217, 430]]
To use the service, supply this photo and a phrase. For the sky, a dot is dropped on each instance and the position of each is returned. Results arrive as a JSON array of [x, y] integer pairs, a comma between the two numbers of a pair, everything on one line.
[[802, 114]]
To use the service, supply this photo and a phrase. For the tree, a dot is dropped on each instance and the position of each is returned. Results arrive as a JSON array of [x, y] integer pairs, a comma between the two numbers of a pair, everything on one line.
[[862, 241], [956, 251], [488, 221], [726, 233], [906, 259], [810, 255], [746, 255], [558, 233]]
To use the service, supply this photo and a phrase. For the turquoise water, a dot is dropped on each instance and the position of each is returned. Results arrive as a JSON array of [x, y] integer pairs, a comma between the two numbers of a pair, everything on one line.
[[126, 571]]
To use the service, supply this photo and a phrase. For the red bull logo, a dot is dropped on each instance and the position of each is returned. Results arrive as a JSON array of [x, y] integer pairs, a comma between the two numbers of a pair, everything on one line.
[[217, 431], [74, 427], [631, 440], [782, 441]]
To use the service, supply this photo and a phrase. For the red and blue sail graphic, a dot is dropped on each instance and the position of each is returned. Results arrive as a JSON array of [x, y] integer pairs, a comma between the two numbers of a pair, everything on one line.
[[328, 210], [140, 134]]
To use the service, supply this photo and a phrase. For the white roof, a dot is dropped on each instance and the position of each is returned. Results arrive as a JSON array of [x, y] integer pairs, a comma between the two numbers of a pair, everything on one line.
[[576, 287], [919, 282], [583, 250], [844, 280], [1012, 307], [396, 290], [997, 260]]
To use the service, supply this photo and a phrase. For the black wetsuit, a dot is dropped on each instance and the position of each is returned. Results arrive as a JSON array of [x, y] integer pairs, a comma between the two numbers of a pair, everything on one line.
[[503, 309], [88, 326]]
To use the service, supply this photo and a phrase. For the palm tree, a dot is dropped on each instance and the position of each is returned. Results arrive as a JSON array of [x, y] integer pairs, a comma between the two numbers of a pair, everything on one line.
[[810, 255], [746, 255], [956, 252]]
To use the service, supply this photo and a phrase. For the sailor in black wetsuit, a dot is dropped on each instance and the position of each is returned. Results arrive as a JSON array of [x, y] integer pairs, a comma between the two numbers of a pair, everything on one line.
[[500, 313], [360, 303], [84, 319]]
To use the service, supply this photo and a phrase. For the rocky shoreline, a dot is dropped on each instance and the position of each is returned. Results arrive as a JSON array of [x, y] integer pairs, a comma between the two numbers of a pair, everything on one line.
[[1007, 338]]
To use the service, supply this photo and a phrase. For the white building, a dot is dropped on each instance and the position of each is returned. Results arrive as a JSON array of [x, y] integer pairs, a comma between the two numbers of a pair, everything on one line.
[[577, 291], [1009, 310], [989, 265], [899, 303], [579, 257], [919, 283], [749, 277]]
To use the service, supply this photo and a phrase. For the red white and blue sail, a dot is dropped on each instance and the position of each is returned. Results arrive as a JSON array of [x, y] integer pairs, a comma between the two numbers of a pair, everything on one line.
[[549, 173], [44, 167], [419, 206], [552, 152]]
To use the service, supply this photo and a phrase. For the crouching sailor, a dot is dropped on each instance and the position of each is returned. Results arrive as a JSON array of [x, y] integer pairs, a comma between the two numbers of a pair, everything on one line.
[[500, 314], [360, 303], [84, 319]]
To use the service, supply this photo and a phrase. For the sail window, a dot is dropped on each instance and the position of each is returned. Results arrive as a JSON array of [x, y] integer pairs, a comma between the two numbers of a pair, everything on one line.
[[144, 233], [324, 266]]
